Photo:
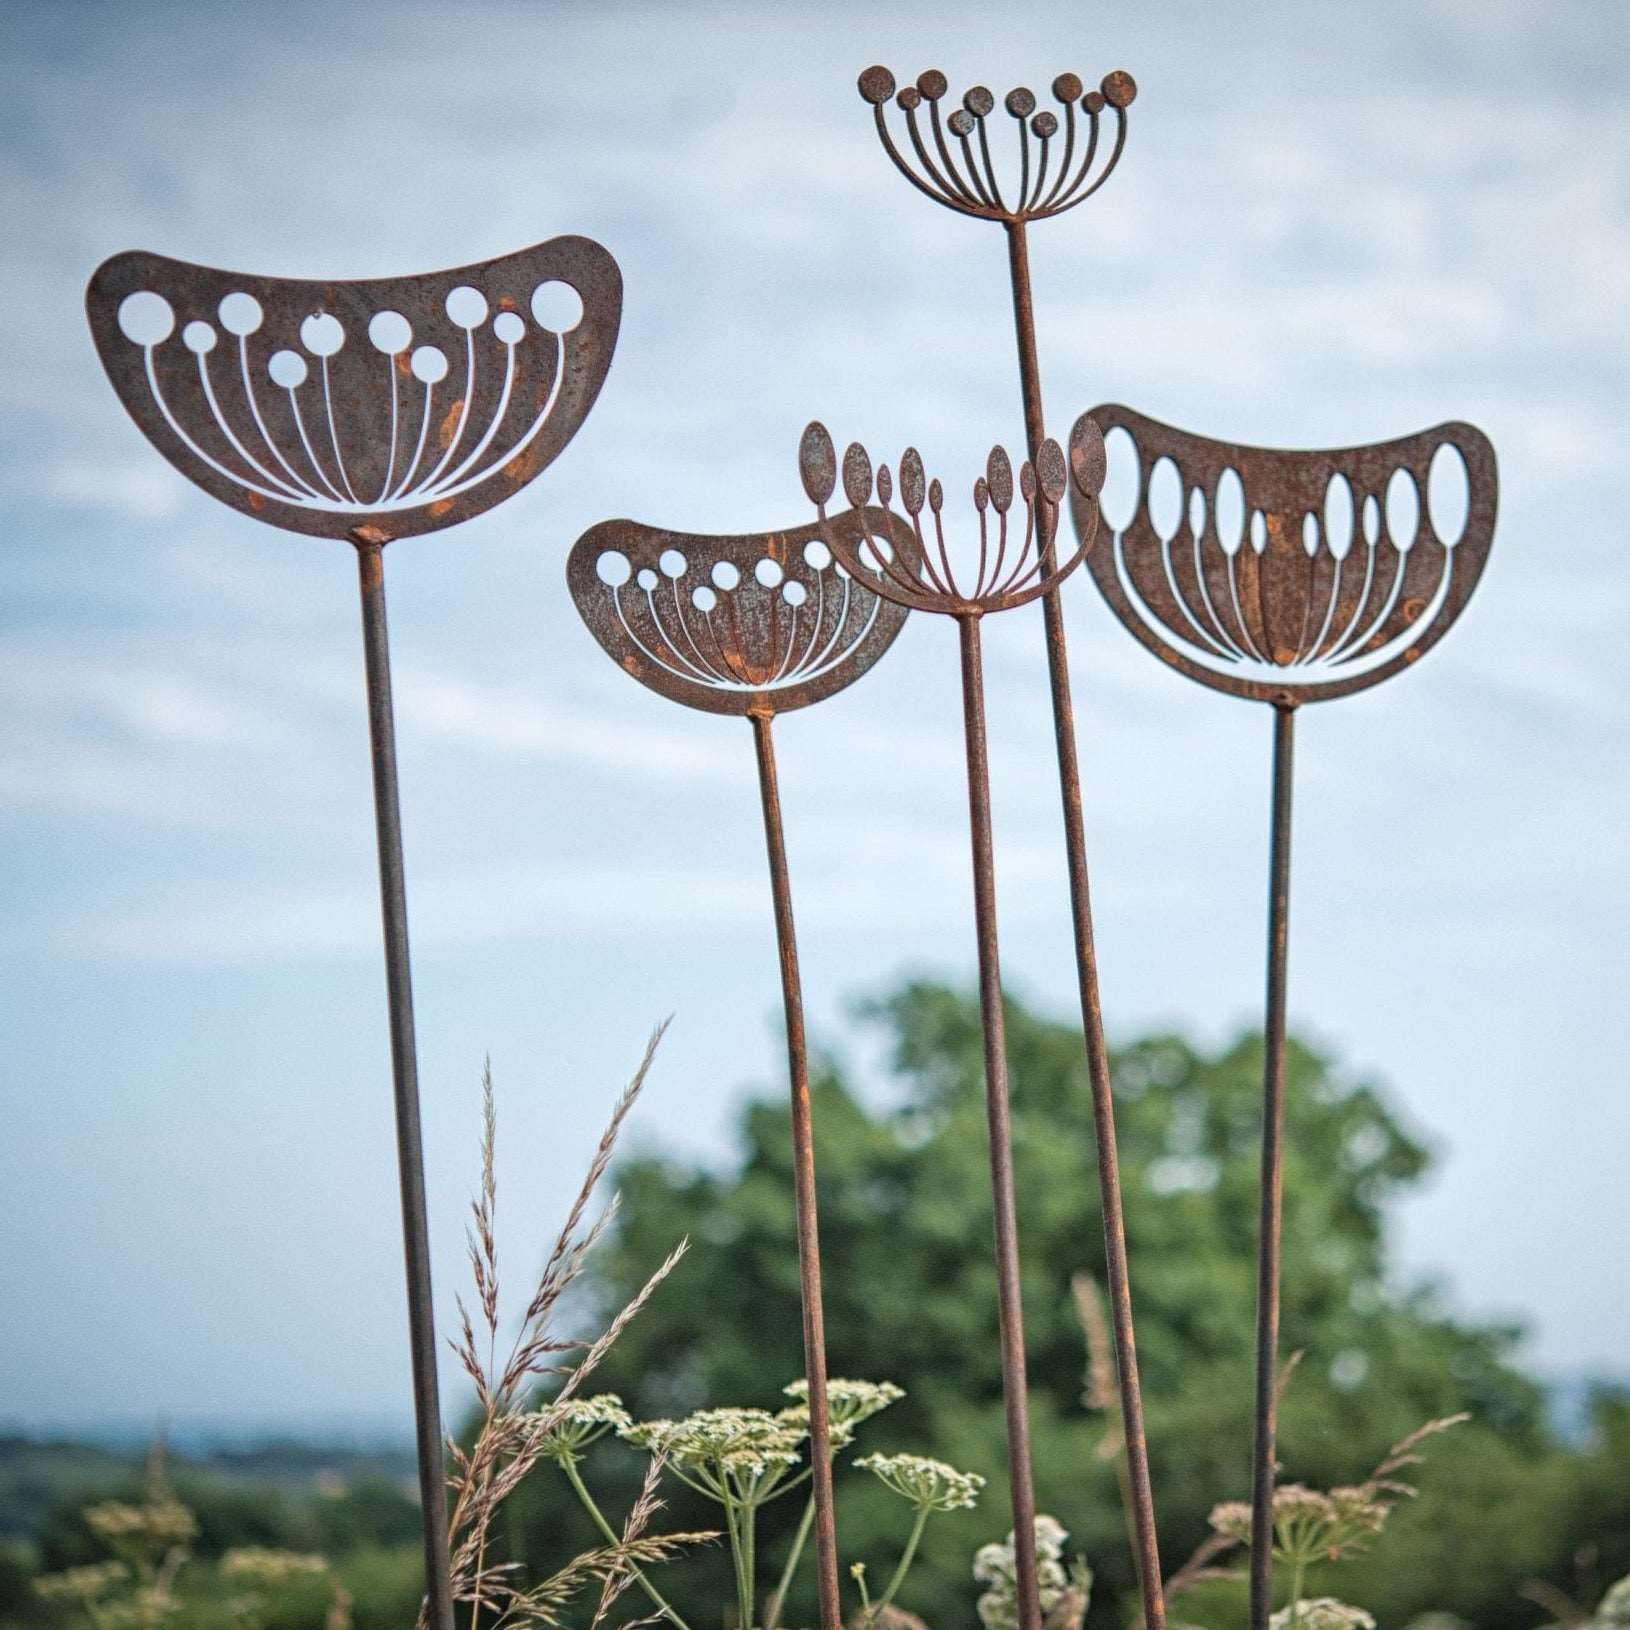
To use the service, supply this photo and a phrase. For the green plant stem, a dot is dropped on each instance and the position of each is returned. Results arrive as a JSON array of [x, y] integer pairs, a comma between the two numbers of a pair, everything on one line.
[[750, 1518], [1296, 1576], [905, 1563], [569, 1465], [772, 1616], [744, 1602]]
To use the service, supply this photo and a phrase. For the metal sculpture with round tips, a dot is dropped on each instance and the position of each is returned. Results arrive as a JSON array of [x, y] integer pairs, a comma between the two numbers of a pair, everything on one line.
[[1062, 159], [366, 412], [1289, 577], [1011, 565], [755, 625]]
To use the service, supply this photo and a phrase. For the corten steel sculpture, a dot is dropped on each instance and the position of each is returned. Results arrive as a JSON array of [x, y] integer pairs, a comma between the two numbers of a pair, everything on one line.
[[1288, 577], [1015, 565], [367, 412], [1063, 158], [754, 625]]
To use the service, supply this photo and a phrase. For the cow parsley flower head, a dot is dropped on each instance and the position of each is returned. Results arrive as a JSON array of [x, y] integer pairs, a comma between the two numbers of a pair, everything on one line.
[[1321, 1613], [575, 1424], [849, 1401], [994, 1567], [740, 1455], [930, 1485]]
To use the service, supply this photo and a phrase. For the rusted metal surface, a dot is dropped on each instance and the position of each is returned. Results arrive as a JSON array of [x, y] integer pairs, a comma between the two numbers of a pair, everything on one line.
[[1052, 175], [1008, 567], [1279, 608], [1330, 574], [755, 624], [1059, 158], [411, 403], [762, 622], [367, 411]]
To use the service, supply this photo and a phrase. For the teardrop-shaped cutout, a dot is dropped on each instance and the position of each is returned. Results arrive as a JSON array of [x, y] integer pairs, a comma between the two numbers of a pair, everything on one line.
[[1448, 494], [1165, 499], [1259, 530], [1229, 511], [1310, 533], [1338, 516], [1403, 509], [1197, 512], [1118, 499], [1372, 520]]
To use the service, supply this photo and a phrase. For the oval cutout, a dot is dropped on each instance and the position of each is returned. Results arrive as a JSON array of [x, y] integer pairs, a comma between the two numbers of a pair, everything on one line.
[[1259, 531], [1372, 521], [1197, 512], [1448, 494], [1338, 516], [1310, 533], [1228, 511], [1165, 499], [1403, 509], [1118, 498], [725, 576]]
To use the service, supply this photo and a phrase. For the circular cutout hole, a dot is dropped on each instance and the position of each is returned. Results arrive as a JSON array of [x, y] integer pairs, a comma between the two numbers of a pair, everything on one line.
[[1403, 509], [1165, 499], [557, 306], [287, 368], [466, 307], [794, 592], [1448, 494], [509, 328], [703, 598], [1338, 516], [1229, 511], [146, 318], [390, 332], [429, 364], [612, 569], [240, 313], [198, 337], [647, 579], [673, 563], [725, 576], [874, 551], [1118, 498], [816, 555], [321, 334], [768, 572]]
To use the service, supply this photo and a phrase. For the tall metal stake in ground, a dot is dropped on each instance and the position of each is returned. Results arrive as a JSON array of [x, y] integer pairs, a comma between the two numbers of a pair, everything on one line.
[[1291, 577], [1056, 172], [368, 412], [1014, 567], [754, 625]]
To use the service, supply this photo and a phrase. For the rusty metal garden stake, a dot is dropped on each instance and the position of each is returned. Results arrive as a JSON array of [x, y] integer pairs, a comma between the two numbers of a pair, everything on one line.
[[973, 187], [1290, 577], [753, 625], [309, 406], [1012, 571]]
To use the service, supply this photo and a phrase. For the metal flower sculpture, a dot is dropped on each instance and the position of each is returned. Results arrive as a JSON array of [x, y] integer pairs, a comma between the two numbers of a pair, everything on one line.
[[1014, 566], [955, 166], [755, 625], [1288, 577], [369, 411]]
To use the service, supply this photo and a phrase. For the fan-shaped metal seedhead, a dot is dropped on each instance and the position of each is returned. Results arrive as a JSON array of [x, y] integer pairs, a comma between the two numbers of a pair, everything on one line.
[[760, 623], [1015, 559], [959, 170], [399, 404], [1294, 576]]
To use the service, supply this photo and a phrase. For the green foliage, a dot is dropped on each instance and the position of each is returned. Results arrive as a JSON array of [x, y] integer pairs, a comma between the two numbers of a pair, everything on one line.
[[910, 1285]]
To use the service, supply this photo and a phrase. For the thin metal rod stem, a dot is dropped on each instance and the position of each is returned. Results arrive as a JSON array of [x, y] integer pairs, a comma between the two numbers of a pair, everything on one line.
[[1146, 1548], [1273, 1174], [1015, 1391], [405, 1079], [803, 1148]]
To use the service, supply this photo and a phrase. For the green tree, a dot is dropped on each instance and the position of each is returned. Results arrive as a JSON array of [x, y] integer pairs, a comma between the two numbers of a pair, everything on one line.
[[910, 1297]]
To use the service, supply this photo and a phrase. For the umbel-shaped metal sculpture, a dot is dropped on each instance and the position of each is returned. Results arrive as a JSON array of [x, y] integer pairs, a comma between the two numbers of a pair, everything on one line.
[[368, 411], [1047, 175], [756, 625], [1014, 566], [1288, 577]]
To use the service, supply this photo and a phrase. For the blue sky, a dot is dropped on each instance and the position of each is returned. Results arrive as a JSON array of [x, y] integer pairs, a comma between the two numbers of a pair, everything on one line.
[[1332, 224]]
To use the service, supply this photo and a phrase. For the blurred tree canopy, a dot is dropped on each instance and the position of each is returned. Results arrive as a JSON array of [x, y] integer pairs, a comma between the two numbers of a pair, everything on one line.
[[910, 1297]]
